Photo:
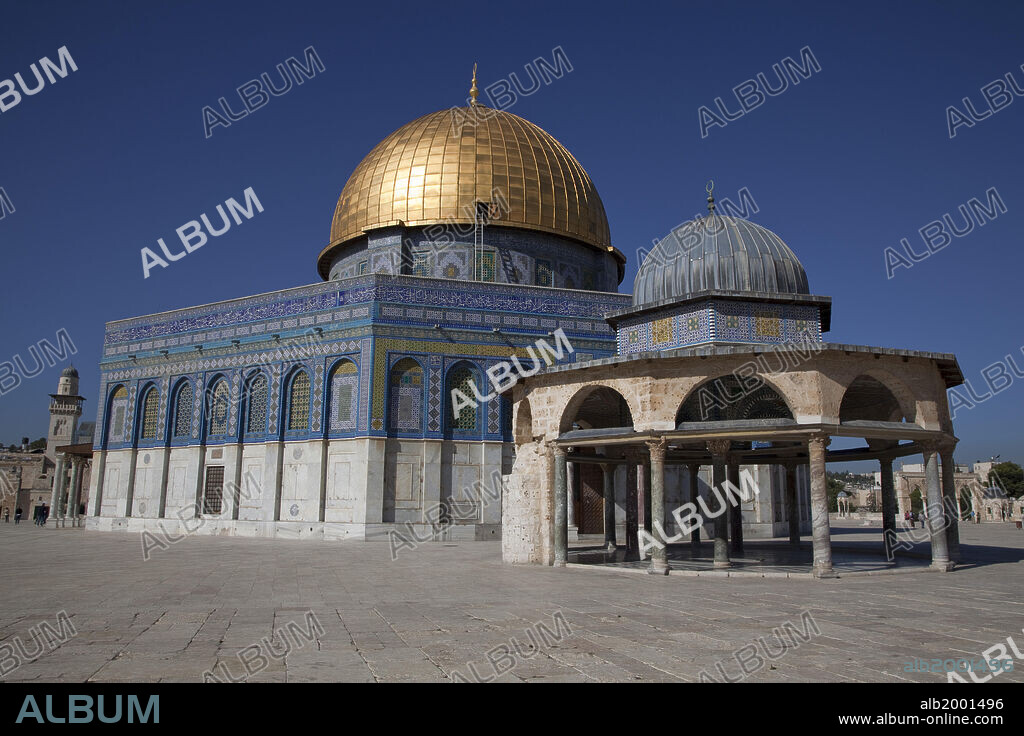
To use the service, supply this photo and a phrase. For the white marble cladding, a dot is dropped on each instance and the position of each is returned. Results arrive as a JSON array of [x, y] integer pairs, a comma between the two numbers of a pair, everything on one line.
[[347, 488]]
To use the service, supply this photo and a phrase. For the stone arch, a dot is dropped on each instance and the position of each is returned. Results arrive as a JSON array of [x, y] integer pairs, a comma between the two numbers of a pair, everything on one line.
[[917, 499], [869, 399], [523, 422], [597, 406], [905, 398], [728, 398]]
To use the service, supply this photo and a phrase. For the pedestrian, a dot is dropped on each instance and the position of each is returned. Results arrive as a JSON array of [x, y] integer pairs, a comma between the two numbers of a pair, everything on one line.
[[906, 519], [7, 515], [17, 515]]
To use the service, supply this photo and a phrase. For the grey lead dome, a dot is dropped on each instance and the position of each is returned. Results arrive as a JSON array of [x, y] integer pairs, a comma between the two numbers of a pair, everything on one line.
[[718, 252]]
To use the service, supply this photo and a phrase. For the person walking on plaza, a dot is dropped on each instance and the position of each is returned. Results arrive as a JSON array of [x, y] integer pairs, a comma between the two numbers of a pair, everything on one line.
[[7, 516], [17, 515]]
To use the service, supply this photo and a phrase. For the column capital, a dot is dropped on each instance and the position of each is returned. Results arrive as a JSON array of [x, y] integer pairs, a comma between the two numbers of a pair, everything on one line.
[[928, 446], [719, 448], [607, 467], [946, 445], [558, 450], [819, 441], [657, 449]]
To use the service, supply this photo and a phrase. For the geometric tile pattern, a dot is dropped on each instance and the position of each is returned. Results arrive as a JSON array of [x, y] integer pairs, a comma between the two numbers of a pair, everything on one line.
[[344, 391], [719, 320], [406, 396]]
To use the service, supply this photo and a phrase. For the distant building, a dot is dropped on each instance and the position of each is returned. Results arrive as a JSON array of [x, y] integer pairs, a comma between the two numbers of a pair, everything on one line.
[[978, 500], [25, 480], [27, 476]]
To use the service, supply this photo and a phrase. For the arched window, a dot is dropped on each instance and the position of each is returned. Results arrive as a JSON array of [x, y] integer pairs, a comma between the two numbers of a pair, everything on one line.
[[150, 413], [406, 403], [182, 417], [116, 417], [219, 402], [467, 418], [256, 405], [344, 392], [298, 402]]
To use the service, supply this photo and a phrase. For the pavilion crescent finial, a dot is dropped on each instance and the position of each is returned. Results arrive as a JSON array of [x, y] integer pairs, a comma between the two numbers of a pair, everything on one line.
[[710, 188], [473, 91]]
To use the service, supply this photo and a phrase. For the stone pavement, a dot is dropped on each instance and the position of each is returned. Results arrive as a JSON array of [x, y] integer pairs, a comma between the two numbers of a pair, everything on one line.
[[454, 611]]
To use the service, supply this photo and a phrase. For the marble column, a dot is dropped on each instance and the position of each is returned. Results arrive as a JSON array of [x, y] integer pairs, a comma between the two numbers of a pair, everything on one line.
[[659, 553], [608, 473], [632, 516], [58, 481], [735, 512], [694, 476], [71, 504], [561, 536], [792, 505], [821, 540], [888, 507], [950, 503], [933, 509], [645, 506], [719, 449], [572, 478]]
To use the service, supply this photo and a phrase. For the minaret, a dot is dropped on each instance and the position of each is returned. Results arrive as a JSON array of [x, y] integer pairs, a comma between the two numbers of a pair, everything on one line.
[[65, 409]]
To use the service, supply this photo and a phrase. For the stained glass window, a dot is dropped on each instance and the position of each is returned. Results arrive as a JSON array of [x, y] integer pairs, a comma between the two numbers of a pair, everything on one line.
[[485, 266], [183, 410], [219, 409], [421, 263], [298, 402], [461, 379], [150, 412], [256, 403], [543, 272]]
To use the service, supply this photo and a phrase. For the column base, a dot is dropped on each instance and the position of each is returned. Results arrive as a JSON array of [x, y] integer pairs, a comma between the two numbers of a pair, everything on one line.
[[943, 565], [657, 568], [718, 564], [610, 546], [558, 563], [825, 573]]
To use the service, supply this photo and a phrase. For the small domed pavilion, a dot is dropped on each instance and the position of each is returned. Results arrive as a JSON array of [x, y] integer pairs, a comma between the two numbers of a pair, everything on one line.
[[720, 362]]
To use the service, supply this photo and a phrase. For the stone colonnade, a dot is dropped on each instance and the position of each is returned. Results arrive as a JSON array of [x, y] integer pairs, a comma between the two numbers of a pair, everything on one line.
[[941, 518], [66, 495]]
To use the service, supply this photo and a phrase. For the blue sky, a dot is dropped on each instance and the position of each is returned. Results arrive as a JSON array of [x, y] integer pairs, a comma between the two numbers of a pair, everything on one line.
[[841, 166]]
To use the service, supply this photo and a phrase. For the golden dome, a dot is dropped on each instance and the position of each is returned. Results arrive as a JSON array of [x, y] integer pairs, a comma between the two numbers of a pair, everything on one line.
[[437, 167]]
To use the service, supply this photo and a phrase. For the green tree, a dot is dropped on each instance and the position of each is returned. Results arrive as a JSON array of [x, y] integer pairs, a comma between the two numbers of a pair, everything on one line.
[[39, 444], [834, 486], [1008, 476]]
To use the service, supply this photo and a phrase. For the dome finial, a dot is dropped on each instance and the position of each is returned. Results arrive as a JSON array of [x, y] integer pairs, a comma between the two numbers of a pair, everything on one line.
[[473, 91], [710, 188]]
